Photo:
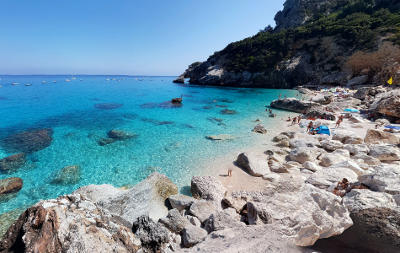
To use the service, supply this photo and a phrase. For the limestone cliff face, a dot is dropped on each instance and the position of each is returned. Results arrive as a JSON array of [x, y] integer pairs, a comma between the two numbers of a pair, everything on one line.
[[298, 12], [309, 46]]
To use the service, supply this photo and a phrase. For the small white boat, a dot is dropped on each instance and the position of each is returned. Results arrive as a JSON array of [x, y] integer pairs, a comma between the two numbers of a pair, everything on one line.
[[14, 83], [43, 82], [28, 84], [67, 80], [54, 81]]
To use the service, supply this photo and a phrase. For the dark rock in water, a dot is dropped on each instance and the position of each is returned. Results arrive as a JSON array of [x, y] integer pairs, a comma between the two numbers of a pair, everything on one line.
[[68, 175], [107, 106], [130, 116], [152, 235], [317, 112], [180, 79], [106, 141], [291, 104], [149, 105], [221, 106], [215, 119], [229, 112], [169, 105], [10, 185], [225, 100], [12, 162], [160, 123], [207, 107], [8, 218], [188, 126], [29, 141], [259, 129], [120, 135]]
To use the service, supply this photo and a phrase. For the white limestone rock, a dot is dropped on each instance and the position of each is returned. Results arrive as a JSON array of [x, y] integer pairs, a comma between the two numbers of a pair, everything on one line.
[[326, 177], [253, 163], [386, 178], [358, 200], [146, 198]]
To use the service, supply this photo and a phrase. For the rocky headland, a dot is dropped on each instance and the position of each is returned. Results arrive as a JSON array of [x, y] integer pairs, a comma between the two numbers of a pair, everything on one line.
[[335, 42], [301, 193]]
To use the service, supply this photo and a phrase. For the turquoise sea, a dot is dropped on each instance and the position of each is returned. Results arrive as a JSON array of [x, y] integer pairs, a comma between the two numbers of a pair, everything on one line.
[[169, 139]]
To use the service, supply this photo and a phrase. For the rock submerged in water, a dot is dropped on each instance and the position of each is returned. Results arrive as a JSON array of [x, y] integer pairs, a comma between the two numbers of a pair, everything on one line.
[[68, 175], [107, 106], [220, 137], [10, 185], [105, 141], [116, 135], [259, 129], [228, 112], [29, 141], [120, 134], [12, 162]]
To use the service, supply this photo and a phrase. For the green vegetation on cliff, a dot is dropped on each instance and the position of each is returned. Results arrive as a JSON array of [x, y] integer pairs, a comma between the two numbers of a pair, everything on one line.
[[357, 25]]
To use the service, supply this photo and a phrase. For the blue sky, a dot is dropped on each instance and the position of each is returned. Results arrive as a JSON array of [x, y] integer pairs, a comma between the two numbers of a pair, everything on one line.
[[146, 37]]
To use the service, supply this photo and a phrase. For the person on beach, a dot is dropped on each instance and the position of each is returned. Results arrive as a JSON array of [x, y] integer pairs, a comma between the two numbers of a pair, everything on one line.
[[229, 172], [289, 119], [294, 121], [338, 122], [310, 126]]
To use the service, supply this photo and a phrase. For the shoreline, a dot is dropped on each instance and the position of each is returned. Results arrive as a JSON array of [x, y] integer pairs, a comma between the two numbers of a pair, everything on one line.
[[306, 192]]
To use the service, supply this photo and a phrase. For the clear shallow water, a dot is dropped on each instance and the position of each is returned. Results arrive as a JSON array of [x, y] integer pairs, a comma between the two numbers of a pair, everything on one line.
[[170, 140]]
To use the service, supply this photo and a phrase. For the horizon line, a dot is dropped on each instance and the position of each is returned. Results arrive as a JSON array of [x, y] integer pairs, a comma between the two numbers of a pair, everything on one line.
[[88, 75]]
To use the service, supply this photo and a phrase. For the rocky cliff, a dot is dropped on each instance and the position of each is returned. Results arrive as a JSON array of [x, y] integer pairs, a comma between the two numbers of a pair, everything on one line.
[[311, 45]]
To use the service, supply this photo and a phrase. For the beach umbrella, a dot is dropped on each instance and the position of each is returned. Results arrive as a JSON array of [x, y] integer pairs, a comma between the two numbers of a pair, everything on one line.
[[351, 110], [393, 127]]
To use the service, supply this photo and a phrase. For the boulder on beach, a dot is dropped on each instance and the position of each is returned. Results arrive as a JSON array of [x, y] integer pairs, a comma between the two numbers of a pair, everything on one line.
[[180, 201], [153, 236], [319, 113], [291, 104], [385, 153], [385, 178], [387, 104], [305, 215], [254, 164], [374, 230], [146, 198], [12, 162], [10, 185], [259, 129], [375, 136], [67, 175], [68, 224], [207, 187], [29, 141]]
